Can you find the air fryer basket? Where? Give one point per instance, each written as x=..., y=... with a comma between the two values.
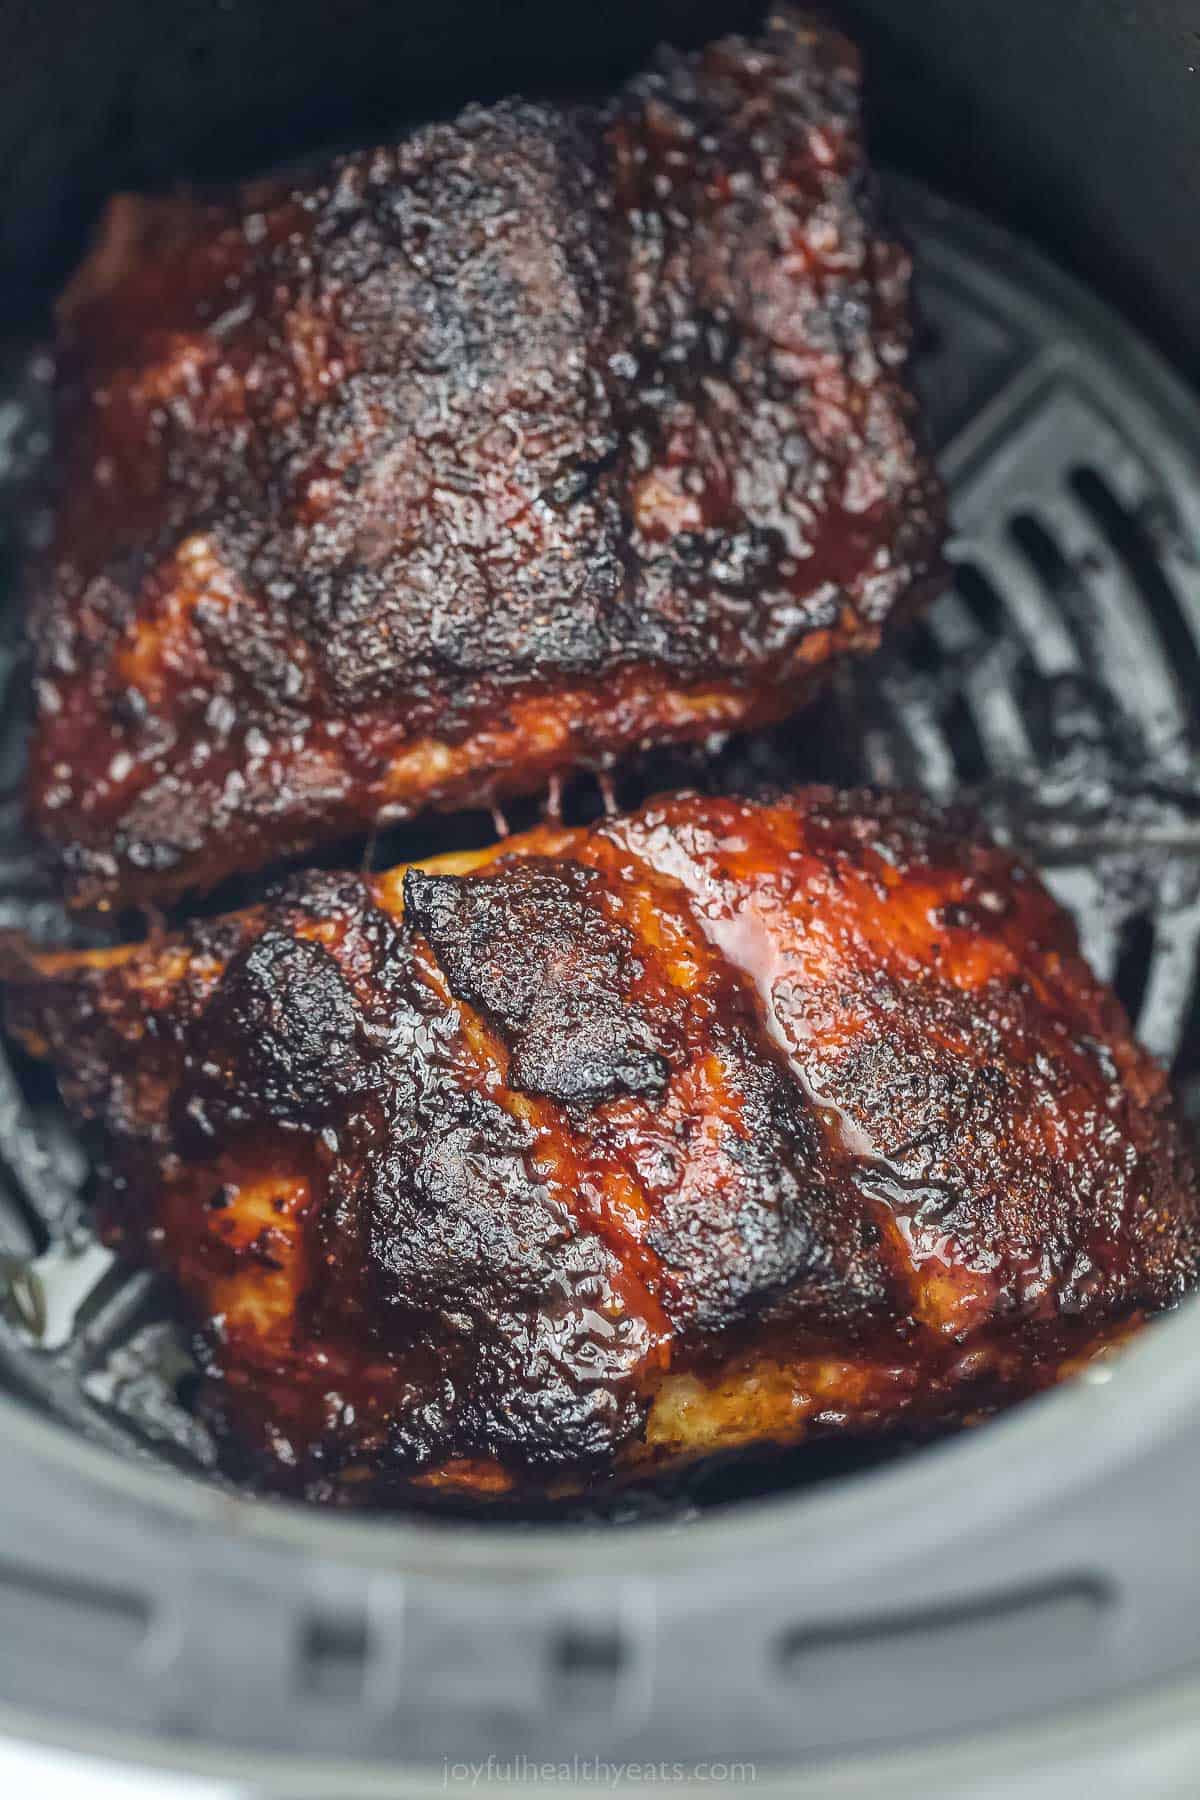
x=1034, y=1564
x=1058, y=684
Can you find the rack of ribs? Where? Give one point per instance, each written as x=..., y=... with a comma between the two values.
x=720, y=1125
x=448, y=467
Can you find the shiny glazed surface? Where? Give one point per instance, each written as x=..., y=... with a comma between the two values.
x=545, y=433
x=721, y=1125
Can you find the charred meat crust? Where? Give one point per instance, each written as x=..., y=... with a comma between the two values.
x=528, y=950
x=716, y=1125
x=542, y=434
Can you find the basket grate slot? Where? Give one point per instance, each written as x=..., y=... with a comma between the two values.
x=971, y=760
x=982, y=599
x=1171, y=999
x=1062, y=580
x=983, y=672
x=1133, y=543
x=925, y=652
x=965, y=353
x=1114, y=633
x=1124, y=633
x=1036, y=621
x=1135, y=956
x=992, y=685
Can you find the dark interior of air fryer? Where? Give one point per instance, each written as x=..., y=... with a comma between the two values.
x=1056, y=686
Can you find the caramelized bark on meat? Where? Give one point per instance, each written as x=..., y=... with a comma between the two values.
x=718, y=1125
x=545, y=433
